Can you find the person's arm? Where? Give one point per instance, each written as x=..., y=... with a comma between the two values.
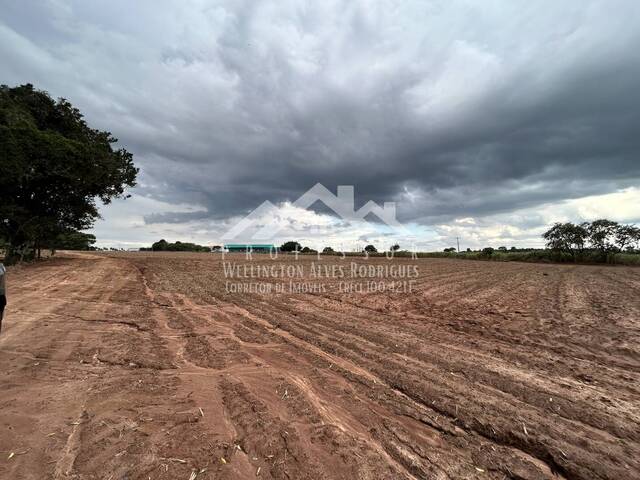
x=3, y=271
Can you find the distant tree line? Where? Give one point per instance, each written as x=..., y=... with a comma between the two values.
x=595, y=240
x=600, y=241
x=293, y=246
x=164, y=246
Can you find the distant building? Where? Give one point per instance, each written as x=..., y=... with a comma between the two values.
x=250, y=247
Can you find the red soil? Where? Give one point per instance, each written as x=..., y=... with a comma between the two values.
x=139, y=366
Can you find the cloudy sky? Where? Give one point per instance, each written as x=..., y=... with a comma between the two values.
x=485, y=120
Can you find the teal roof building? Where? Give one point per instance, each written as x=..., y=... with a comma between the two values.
x=251, y=247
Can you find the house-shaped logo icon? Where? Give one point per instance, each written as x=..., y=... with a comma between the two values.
x=342, y=204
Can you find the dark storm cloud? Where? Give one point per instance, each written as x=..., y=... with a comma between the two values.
x=448, y=108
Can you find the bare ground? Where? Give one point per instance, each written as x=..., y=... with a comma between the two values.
x=141, y=366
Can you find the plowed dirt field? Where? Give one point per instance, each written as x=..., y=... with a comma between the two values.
x=146, y=366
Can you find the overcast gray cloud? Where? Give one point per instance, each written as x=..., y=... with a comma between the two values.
x=452, y=108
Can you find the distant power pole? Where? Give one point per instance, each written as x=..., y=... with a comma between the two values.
x=458, y=242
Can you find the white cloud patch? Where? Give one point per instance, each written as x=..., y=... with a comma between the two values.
x=123, y=226
x=524, y=227
x=520, y=228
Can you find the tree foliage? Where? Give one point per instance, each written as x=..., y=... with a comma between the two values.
x=600, y=236
x=567, y=237
x=73, y=240
x=53, y=168
x=290, y=246
x=626, y=236
x=164, y=246
x=370, y=249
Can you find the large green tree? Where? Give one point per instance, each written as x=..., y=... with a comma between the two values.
x=567, y=237
x=53, y=169
x=602, y=234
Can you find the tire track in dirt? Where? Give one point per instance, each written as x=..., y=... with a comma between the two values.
x=393, y=384
x=327, y=413
x=516, y=295
x=287, y=439
x=178, y=377
x=358, y=342
x=301, y=344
